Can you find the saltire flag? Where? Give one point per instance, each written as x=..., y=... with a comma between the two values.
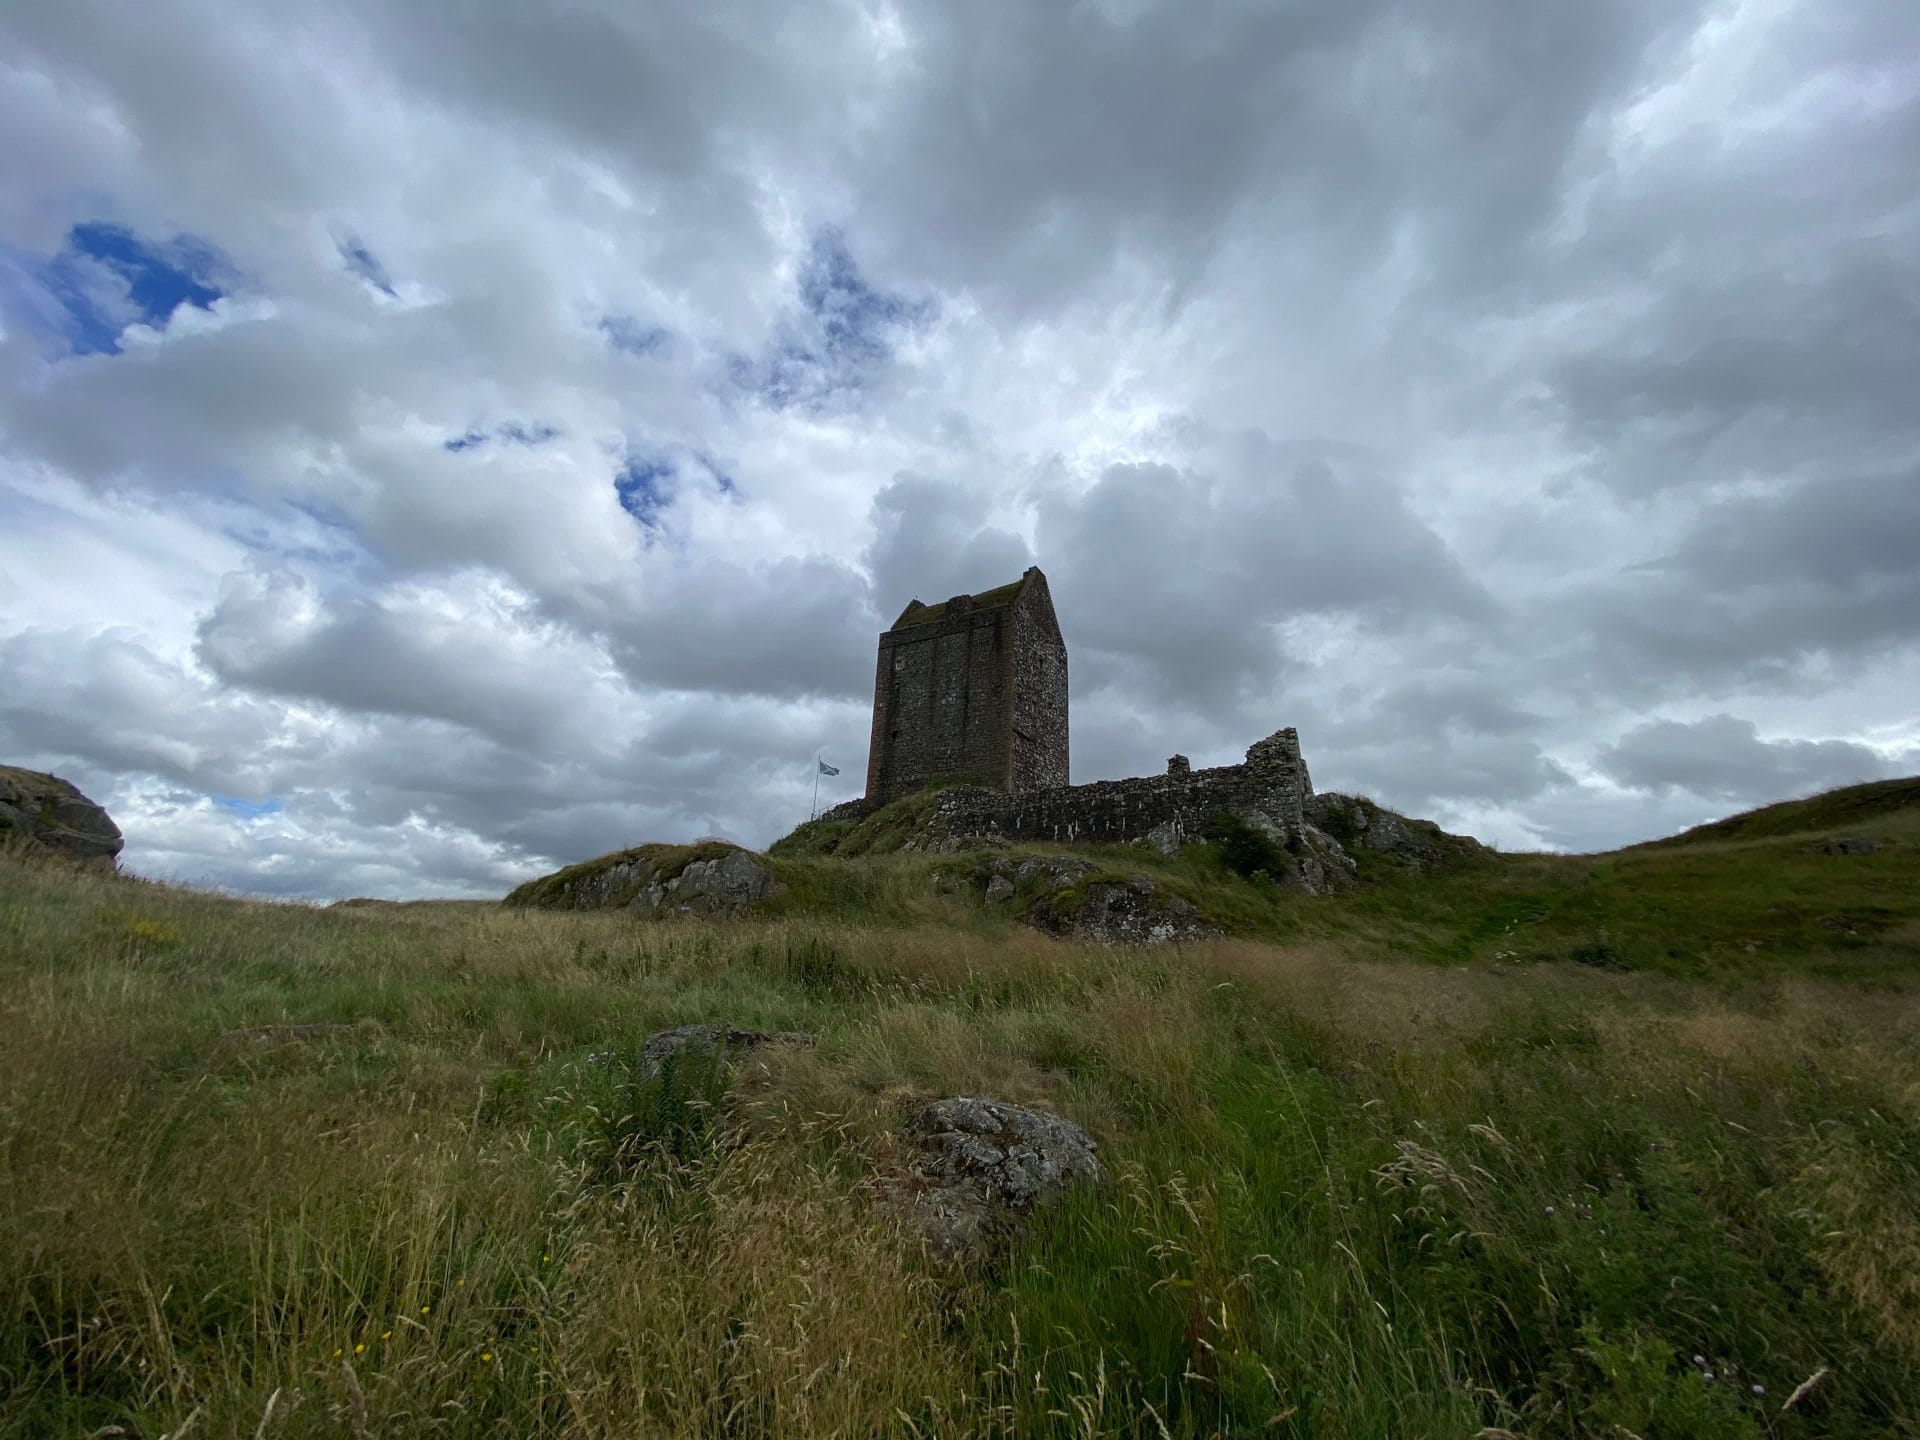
x=826, y=769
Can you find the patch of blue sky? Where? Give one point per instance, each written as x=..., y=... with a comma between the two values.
x=849, y=328
x=105, y=278
x=527, y=434
x=363, y=262
x=633, y=337
x=645, y=486
x=513, y=432
x=248, y=809
x=857, y=321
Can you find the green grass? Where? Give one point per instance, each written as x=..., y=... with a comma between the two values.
x=879, y=833
x=1499, y=1150
x=1832, y=810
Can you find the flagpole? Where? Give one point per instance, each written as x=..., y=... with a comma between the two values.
x=815, y=812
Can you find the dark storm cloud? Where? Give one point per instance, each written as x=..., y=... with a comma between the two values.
x=393, y=656
x=792, y=628
x=1041, y=143
x=1779, y=588
x=1181, y=574
x=933, y=539
x=1723, y=758
x=110, y=701
x=1772, y=373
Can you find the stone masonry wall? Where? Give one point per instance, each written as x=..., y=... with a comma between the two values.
x=978, y=694
x=1270, y=789
x=941, y=703
x=1039, y=723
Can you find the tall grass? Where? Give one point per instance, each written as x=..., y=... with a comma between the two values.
x=1345, y=1196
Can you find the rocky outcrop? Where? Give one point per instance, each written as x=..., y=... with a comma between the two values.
x=1356, y=823
x=984, y=1165
x=712, y=878
x=710, y=887
x=1134, y=911
x=1064, y=895
x=45, y=811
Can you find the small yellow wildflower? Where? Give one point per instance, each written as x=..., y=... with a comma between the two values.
x=425, y=1308
x=336, y=1354
x=386, y=1334
x=486, y=1355
x=360, y=1349
x=546, y=1259
x=461, y=1281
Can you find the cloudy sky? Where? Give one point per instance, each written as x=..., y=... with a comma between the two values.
x=438, y=442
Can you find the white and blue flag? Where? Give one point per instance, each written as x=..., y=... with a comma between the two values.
x=826, y=769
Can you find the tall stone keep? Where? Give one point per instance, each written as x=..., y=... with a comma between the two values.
x=971, y=689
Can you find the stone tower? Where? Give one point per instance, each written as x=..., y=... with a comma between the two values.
x=971, y=689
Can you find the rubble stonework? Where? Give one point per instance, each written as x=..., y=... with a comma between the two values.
x=973, y=689
x=1270, y=790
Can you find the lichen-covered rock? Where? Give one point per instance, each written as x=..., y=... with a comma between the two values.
x=1318, y=865
x=711, y=878
x=709, y=1039
x=984, y=1164
x=711, y=887
x=1356, y=822
x=1135, y=911
x=47, y=811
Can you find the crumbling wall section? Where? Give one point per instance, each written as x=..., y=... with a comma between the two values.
x=1270, y=790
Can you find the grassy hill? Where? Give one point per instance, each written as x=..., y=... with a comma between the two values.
x=1830, y=812
x=1544, y=1146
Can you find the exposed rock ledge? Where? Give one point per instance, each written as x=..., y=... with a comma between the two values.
x=711, y=878
x=45, y=811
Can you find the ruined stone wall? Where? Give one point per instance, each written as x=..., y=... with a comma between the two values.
x=1270, y=788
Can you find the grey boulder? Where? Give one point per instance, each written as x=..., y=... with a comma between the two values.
x=710, y=887
x=1136, y=911
x=47, y=811
x=984, y=1165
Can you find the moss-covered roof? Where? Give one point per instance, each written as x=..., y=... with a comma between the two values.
x=1000, y=596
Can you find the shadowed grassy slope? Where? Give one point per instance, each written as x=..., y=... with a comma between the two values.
x=1753, y=893
x=1348, y=1195
x=1832, y=811
x=1769, y=897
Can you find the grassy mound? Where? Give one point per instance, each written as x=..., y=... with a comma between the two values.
x=880, y=833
